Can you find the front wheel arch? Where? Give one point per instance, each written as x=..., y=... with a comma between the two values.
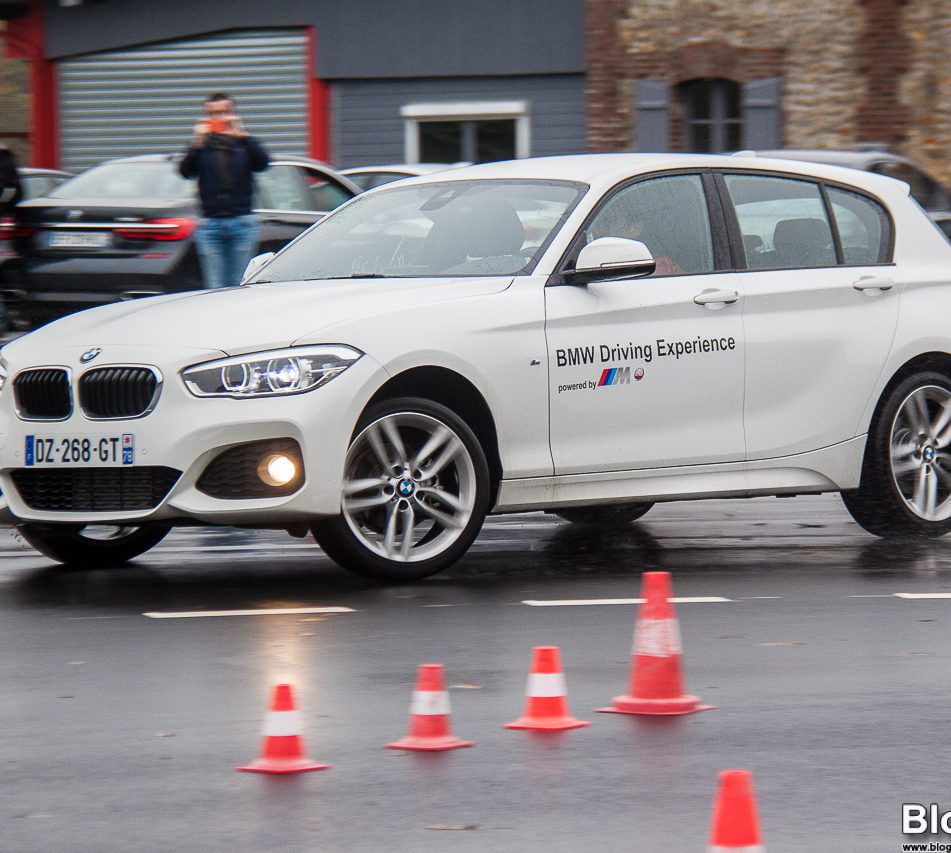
x=431, y=451
x=452, y=390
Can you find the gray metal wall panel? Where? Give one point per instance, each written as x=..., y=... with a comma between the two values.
x=368, y=128
x=147, y=99
x=357, y=39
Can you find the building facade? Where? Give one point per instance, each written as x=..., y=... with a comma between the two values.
x=361, y=82
x=14, y=105
x=707, y=75
x=373, y=81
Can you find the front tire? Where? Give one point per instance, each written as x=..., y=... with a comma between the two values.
x=79, y=546
x=905, y=488
x=416, y=491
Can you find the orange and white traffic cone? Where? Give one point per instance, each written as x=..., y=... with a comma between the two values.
x=429, y=726
x=656, y=681
x=282, y=748
x=735, y=824
x=546, y=702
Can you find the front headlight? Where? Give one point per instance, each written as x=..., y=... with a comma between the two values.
x=268, y=374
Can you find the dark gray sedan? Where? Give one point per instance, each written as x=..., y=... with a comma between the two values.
x=124, y=229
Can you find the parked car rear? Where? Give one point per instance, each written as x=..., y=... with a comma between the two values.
x=125, y=229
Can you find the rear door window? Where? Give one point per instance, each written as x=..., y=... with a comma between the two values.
x=782, y=221
x=283, y=188
x=323, y=193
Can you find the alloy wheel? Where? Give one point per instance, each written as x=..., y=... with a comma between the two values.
x=409, y=488
x=920, y=452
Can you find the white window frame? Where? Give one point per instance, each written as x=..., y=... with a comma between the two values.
x=413, y=114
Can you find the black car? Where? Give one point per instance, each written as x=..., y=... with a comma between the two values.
x=925, y=189
x=124, y=229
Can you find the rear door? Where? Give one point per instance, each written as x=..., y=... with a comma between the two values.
x=648, y=372
x=820, y=308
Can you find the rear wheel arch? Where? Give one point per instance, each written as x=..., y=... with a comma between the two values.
x=455, y=392
x=939, y=362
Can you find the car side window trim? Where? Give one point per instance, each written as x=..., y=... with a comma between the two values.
x=886, y=252
x=719, y=232
x=731, y=223
x=718, y=236
x=834, y=225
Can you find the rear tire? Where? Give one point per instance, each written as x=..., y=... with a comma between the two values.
x=416, y=491
x=905, y=489
x=86, y=546
x=598, y=515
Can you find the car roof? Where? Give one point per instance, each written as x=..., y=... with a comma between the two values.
x=402, y=168
x=177, y=155
x=604, y=170
x=294, y=159
x=32, y=170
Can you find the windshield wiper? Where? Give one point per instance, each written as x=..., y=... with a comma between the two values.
x=344, y=277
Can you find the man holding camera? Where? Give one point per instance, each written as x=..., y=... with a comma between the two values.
x=224, y=157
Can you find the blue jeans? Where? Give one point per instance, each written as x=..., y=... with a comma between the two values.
x=225, y=244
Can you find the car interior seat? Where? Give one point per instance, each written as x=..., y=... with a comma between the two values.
x=803, y=243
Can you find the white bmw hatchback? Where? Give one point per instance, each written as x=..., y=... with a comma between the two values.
x=585, y=335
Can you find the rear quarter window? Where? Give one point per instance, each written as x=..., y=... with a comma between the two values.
x=864, y=228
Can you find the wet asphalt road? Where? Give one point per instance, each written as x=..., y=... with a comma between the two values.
x=120, y=732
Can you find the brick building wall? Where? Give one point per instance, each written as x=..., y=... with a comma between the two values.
x=14, y=104
x=926, y=86
x=850, y=71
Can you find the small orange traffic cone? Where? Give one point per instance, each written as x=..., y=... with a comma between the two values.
x=656, y=682
x=546, y=702
x=429, y=727
x=282, y=748
x=735, y=825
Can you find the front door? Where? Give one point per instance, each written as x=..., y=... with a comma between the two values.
x=648, y=373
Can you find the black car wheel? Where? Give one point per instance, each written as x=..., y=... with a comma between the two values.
x=91, y=546
x=415, y=493
x=905, y=488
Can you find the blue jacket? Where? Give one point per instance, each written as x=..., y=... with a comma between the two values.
x=249, y=156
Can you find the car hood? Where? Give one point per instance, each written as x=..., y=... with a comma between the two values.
x=247, y=319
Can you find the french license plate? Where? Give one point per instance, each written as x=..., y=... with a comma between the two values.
x=79, y=239
x=109, y=451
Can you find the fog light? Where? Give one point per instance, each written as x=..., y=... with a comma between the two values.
x=277, y=470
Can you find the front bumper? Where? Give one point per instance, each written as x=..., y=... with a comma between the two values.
x=186, y=433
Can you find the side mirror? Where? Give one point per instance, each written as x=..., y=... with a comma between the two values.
x=254, y=265
x=614, y=257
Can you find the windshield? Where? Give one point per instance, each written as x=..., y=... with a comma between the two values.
x=158, y=180
x=451, y=228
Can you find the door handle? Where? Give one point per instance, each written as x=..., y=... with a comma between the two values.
x=873, y=282
x=716, y=297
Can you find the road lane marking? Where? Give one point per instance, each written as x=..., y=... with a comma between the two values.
x=277, y=611
x=259, y=546
x=922, y=595
x=582, y=602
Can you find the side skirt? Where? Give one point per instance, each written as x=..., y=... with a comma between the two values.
x=829, y=469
